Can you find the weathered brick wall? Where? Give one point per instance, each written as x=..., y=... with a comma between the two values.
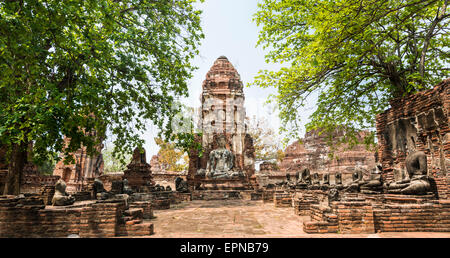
x=282, y=199
x=29, y=183
x=28, y=217
x=162, y=176
x=356, y=217
x=303, y=202
x=33, y=183
x=182, y=197
x=161, y=204
x=147, y=208
x=82, y=196
x=313, y=152
x=432, y=217
x=100, y=220
x=420, y=122
x=273, y=177
x=322, y=220
x=34, y=221
x=108, y=178
x=47, y=193
x=216, y=195
x=167, y=178
x=256, y=196
x=267, y=195
x=159, y=200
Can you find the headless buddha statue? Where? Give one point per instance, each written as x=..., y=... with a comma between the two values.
x=375, y=183
x=417, y=181
x=303, y=178
x=61, y=198
x=326, y=182
x=338, y=181
x=315, y=182
x=357, y=181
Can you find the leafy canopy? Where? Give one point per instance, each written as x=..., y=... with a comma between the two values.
x=113, y=164
x=355, y=55
x=268, y=146
x=80, y=68
x=170, y=157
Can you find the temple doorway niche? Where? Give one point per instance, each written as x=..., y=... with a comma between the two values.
x=67, y=174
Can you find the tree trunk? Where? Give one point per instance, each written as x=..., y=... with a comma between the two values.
x=15, y=169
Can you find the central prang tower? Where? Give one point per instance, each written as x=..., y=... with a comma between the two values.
x=228, y=154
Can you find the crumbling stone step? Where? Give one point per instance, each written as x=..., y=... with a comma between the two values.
x=136, y=213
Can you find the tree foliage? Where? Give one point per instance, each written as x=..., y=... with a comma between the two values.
x=80, y=68
x=356, y=55
x=170, y=157
x=266, y=141
x=185, y=131
x=112, y=163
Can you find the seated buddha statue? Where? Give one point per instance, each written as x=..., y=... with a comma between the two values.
x=315, y=182
x=375, y=183
x=338, y=181
x=221, y=162
x=99, y=191
x=289, y=183
x=357, y=181
x=303, y=179
x=325, y=185
x=417, y=181
x=181, y=185
x=61, y=198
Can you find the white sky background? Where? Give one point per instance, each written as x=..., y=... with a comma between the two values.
x=230, y=31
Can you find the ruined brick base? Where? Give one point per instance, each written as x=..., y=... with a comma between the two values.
x=182, y=197
x=283, y=199
x=302, y=204
x=29, y=217
x=216, y=195
x=267, y=195
x=387, y=213
x=159, y=200
x=222, y=184
x=251, y=195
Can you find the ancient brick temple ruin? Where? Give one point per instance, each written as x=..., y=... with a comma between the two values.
x=418, y=123
x=84, y=170
x=138, y=172
x=104, y=206
x=223, y=133
x=409, y=192
x=404, y=187
x=314, y=152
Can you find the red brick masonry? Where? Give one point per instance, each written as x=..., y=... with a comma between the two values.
x=423, y=117
x=364, y=216
x=28, y=217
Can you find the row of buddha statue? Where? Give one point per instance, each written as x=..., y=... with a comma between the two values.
x=416, y=181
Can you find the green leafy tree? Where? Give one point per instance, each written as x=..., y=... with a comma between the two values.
x=266, y=141
x=81, y=68
x=112, y=163
x=47, y=166
x=170, y=157
x=354, y=55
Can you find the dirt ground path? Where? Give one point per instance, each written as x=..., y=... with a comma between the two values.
x=247, y=219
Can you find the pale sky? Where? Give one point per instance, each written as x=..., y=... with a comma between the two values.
x=229, y=31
